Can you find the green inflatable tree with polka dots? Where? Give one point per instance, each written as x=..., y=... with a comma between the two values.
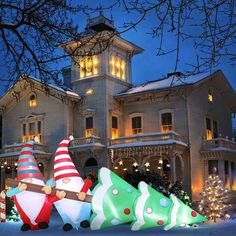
x=152, y=208
x=112, y=201
x=116, y=202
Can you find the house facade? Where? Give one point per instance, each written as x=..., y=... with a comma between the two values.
x=178, y=126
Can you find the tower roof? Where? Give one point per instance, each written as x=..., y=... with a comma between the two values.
x=100, y=23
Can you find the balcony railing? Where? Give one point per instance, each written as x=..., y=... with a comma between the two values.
x=16, y=147
x=218, y=143
x=85, y=140
x=147, y=137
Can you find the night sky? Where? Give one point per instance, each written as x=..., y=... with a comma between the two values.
x=147, y=66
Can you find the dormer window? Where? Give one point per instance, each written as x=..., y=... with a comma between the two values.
x=210, y=96
x=32, y=101
x=88, y=66
x=118, y=67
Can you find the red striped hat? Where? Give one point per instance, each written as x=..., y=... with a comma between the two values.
x=63, y=165
x=27, y=166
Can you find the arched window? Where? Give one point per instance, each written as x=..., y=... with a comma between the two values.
x=91, y=162
x=32, y=101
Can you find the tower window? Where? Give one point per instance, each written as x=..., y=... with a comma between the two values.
x=137, y=125
x=89, y=126
x=88, y=66
x=32, y=101
x=118, y=67
x=210, y=96
x=166, y=122
x=114, y=128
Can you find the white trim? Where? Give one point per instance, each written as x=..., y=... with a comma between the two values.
x=98, y=198
x=143, y=187
x=62, y=149
x=173, y=213
x=65, y=163
x=65, y=171
x=61, y=156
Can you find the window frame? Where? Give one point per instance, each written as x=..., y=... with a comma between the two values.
x=25, y=122
x=89, y=131
x=84, y=61
x=32, y=104
x=211, y=133
x=111, y=65
x=131, y=116
x=161, y=112
x=114, y=131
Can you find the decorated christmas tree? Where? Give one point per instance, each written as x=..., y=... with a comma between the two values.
x=154, y=209
x=214, y=203
x=112, y=201
x=116, y=202
x=14, y=215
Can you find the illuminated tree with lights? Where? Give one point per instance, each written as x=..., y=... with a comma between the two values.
x=214, y=203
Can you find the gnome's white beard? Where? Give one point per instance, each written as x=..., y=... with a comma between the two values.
x=68, y=207
x=31, y=202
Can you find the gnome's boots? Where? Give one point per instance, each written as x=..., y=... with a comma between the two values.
x=67, y=227
x=84, y=224
x=25, y=227
x=43, y=225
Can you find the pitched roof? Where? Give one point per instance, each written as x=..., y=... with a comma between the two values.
x=166, y=83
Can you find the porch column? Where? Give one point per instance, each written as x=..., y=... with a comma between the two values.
x=221, y=170
x=171, y=158
x=3, y=177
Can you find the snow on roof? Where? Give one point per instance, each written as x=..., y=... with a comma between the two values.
x=148, y=143
x=169, y=82
x=64, y=90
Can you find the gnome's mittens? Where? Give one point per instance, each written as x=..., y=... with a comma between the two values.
x=22, y=186
x=81, y=196
x=47, y=189
x=61, y=194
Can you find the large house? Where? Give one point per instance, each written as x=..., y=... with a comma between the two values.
x=179, y=126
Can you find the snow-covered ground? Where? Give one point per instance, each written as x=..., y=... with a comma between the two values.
x=223, y=228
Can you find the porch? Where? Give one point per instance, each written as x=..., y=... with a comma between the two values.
x=164, y=153
x=219, y=156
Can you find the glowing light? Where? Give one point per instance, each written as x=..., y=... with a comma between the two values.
x=120, y=162
x=147, y=164
x=116, y=167
x=135, y=164
x=89, y=91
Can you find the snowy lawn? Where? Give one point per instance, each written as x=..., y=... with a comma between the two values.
x=223, y=228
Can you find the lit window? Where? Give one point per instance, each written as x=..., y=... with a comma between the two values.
x=212, y=167
x=30, y=131
x=117, y=67
x=114, y=128
x=209, y=134
x=32, y=101
x=137, y=125
x=166, y=122
x=89, y=91
x=89, y=126
x=211, y=129
x=210, y=96
x=88, y=66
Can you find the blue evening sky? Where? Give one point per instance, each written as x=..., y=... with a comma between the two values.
x=147, y=66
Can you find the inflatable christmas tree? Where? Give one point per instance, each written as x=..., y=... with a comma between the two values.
x=112, y=201
x=116, y=202
x=154, y=209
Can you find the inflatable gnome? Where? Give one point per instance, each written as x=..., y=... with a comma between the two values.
x=34, y=208
x=75, y=214
x=152, y=209
x=116, y=202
